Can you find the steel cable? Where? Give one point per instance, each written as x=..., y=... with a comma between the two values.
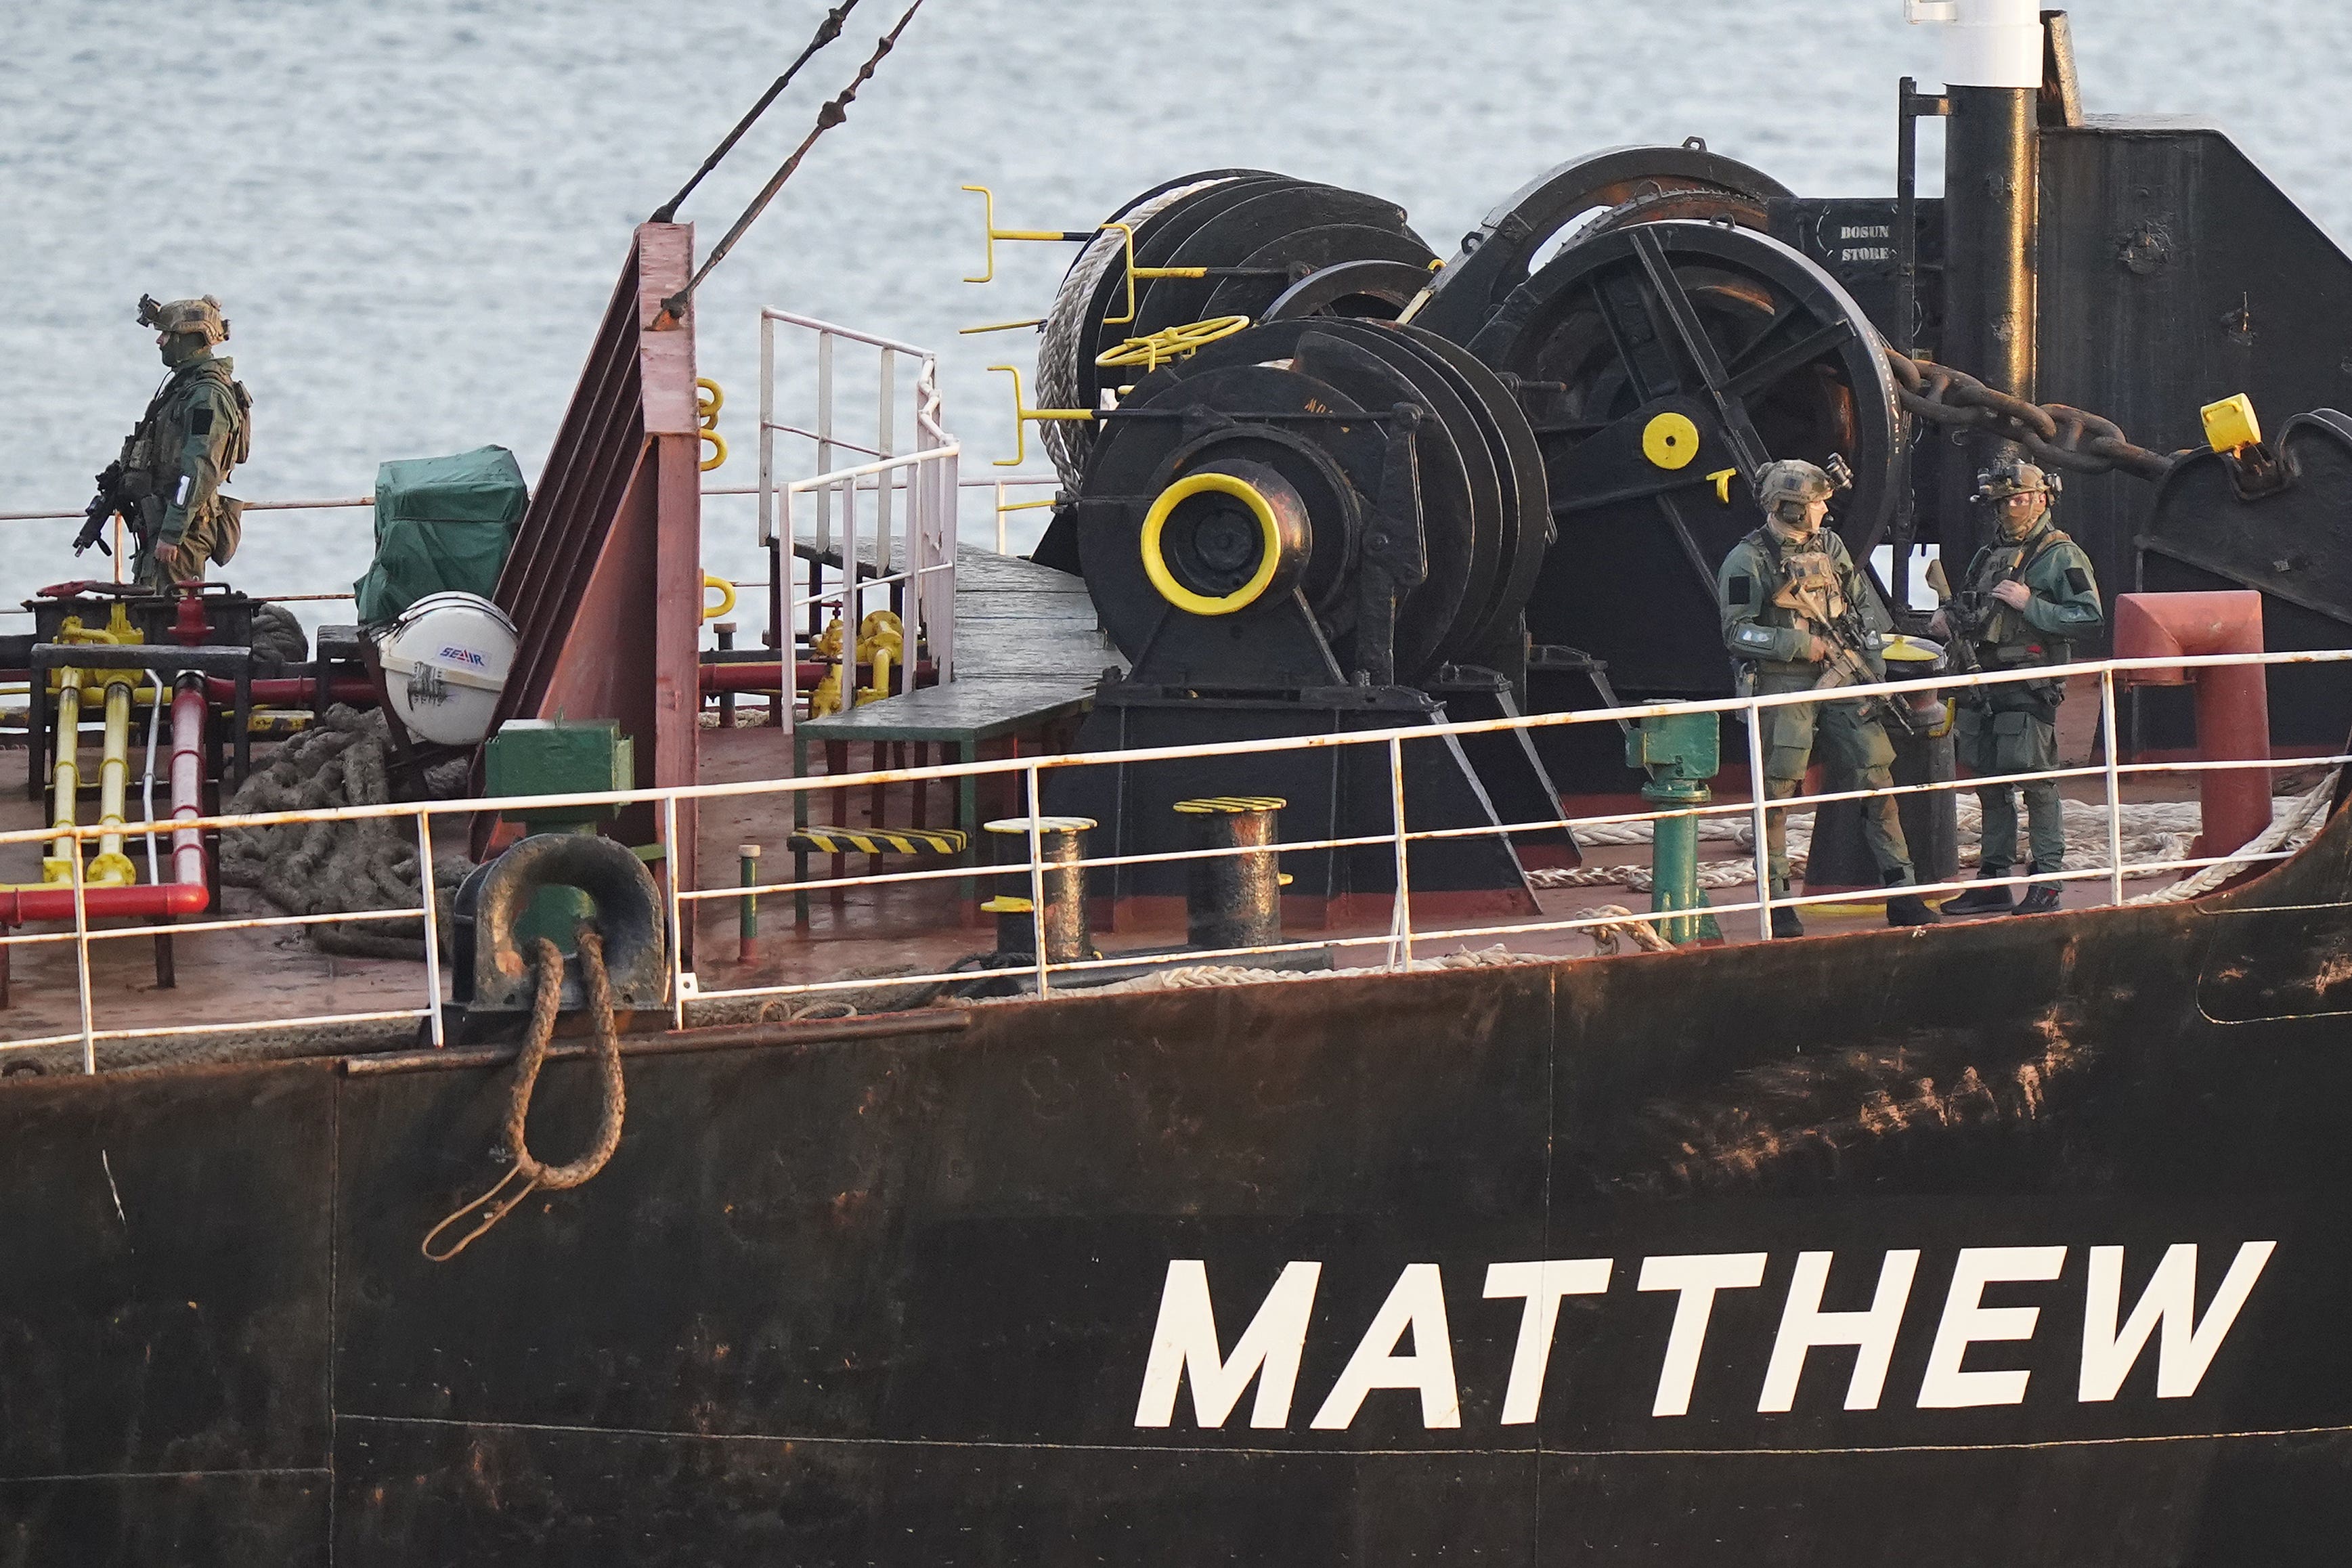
x=826, y=32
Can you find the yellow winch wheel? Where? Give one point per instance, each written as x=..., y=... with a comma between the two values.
x=1670, y=441
x=1155, y=563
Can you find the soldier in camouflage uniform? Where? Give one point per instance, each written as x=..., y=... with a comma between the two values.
x=196, y=429
x=2028, y=598
x=1779, y=591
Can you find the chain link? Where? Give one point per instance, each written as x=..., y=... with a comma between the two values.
x=2057, y=436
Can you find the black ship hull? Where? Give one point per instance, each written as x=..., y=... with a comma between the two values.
x=1492, y=1264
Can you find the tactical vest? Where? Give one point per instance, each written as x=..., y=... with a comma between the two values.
x=150, y=453
x=1799, y=587
x=2010, y=637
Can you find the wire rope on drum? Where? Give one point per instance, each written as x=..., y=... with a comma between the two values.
x=1068, y=440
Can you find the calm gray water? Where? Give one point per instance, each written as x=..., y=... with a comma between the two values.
x=414, y=209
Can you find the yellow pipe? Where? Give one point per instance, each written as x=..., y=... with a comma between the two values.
x=64, y=779
x=111, y=868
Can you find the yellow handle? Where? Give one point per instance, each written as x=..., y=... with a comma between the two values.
x=1721, y=480
x=707, y=407
x=717, y=449
x=993, y=234
x=726, y=605
x=1023, y=416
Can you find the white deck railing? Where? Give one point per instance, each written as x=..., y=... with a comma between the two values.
x=1396, y=944
x=911, y=524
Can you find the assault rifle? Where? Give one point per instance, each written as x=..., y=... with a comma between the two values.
x=102, y=510
x=1847, y=635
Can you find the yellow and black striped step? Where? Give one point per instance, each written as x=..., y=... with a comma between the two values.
x=880, y=840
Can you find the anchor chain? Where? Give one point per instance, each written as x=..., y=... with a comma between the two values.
x=2057, y=436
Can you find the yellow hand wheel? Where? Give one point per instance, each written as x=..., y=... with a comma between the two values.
x=1170, y=343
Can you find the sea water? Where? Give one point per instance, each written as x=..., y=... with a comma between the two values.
x=413, y=212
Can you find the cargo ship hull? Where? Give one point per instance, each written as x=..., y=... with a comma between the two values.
x=1858, y=1251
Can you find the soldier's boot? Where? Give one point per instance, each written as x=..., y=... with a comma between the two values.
x=1785, y=923
x=2040, y=898
x=1909, y=909
x=1994, y=900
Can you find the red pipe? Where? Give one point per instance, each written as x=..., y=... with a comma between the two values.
x=2233, y=704
x=19, y=905
x=769, y=677
x=186, y=893
x=294, y=690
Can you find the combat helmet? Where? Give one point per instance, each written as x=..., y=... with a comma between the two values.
x=198, y=315
x=1794, y=483
x=2013, y=477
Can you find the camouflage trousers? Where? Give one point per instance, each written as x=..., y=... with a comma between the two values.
x=195, y=554
x=1859, y=755
x=1990, y=743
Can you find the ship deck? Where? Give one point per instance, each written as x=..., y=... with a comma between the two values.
x=229, y=977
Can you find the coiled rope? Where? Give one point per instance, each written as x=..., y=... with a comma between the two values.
x=1058, y=347
x=496, y=1204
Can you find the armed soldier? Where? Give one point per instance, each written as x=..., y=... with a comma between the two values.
x=1798, y=616
x=197, y=427
x=2028, y=598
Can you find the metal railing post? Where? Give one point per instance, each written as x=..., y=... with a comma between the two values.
x=823, y=438
x=886, y=444
x=1038, y=880
x=1400, y=948
x=432, y=925
x=1000, y=517
x=677, y=915
x=1755, y=819
x=81, y=960
x=2115, y=788
x=768, y=438
x=853, y=595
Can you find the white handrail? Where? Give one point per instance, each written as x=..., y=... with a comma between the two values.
x=1397, y=940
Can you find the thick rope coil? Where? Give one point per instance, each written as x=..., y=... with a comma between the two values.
x=338, y=868
x=533, y=1172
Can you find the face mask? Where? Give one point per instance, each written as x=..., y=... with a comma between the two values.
x=179, y=348
x=2016, y=525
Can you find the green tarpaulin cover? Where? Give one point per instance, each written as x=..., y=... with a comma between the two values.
x=441, y=525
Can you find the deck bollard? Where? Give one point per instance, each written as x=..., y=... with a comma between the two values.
x=1061, y=844
x=1235, y=900
x=1679, y=751
x=747, y=940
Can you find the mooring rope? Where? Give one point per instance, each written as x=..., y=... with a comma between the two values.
x=338, y=867
x=496, y=1204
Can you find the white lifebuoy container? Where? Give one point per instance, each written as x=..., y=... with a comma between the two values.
x=446, y=661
